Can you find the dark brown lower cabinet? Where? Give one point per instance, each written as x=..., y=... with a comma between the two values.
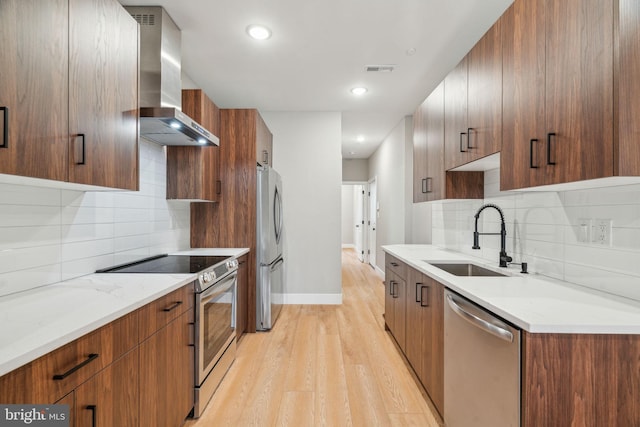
x=394, y=307
x=425, y=333
x=110, y=398
x=69, y=400
x=166, y=374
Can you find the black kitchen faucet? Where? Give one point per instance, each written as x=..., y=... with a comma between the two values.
x=504, y=258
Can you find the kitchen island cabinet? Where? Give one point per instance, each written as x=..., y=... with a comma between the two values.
x=69, y=92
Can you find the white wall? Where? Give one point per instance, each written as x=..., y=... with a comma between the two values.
x=348, y=220
x=355, y=170
x=307, y=153
x=542, y=230
x=388, y=164
x=48, y=235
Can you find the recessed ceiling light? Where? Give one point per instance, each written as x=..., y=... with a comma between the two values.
x=359, y=90
x=258, y=32
x=360, y=138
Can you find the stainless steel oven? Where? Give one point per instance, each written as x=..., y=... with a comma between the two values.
x=215, y=323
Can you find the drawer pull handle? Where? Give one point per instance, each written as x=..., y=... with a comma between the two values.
x=395, y=264
x=5, y=133
x=91, y=358
x=424, y=302
x=174, y=306
x=93, y=409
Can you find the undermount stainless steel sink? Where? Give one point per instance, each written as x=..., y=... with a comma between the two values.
x=466, y=269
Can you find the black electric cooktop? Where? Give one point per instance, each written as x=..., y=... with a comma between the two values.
x=176, y=264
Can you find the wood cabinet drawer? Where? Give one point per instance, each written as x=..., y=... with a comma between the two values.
x=55, y=374
x=394, y=264
x=160, y=312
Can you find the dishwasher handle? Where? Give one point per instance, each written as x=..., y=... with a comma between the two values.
x=494, y=330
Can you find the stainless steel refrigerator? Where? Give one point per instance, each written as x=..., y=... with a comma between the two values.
x=270, y=260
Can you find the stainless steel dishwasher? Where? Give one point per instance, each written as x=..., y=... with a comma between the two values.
x=481, y=367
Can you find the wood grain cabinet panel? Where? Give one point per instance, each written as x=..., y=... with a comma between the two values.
x=264, y=143
x=69, y=92
x=167, y=374
x=571, y=96
x=231, y=223
x=455, y=115
x=160, y=312
x=110, y=398
x=431, y=182
x=34, y=88
x=242, y=292
x=580, y=380
x=103, y=94
x=194, y=172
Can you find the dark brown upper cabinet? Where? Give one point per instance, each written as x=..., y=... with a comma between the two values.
x=473, y=102
x=194, y=172
x=571, y=110
x=69, y=92
x=431, y=182
x=264, y=143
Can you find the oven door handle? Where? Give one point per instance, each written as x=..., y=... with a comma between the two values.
x=219, y=288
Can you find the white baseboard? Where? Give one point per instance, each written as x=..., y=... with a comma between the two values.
x=348, y=245
x=320, y=299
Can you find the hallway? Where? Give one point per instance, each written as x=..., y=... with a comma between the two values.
x=323, y=365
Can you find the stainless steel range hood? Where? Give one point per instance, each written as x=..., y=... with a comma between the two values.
x=161, y=118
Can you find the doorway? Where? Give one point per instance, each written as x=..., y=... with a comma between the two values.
x=372, y=222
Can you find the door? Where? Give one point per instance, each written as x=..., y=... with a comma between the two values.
x=34, y=78
x=372, y=221
x=358, y=217
x=455, y=114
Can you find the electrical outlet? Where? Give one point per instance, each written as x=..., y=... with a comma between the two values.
x=602, y=232
x=584, y=230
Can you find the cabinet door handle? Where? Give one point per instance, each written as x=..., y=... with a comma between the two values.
x=81, y=135
x=265, y=157
x=93, y=410
x=424, y=185
x=531, y=144
x=462, y=150
x=218, y=187
x=549, y=136
x=89, y=359
x=395, y=294
x=391, y=282
x=173, y=306
x=429, y=184
x=469, y=131
x=424, y=302
x=5, y=127
x=418, y=293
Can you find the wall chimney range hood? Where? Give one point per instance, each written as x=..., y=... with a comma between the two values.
x=161, y=118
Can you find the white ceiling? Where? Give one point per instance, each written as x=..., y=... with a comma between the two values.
x=319, y=51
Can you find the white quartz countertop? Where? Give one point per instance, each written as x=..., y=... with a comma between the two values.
x=37, y=321
x=534, y=303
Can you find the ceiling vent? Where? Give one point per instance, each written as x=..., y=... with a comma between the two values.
x=380, y=68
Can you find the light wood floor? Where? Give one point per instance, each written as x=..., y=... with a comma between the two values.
x=323, y=366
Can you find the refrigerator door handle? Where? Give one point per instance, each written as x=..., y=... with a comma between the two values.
x=277, y=215
x=275, y=265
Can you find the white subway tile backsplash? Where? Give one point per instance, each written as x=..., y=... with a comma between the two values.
x=542, y=230
x=48, y=235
